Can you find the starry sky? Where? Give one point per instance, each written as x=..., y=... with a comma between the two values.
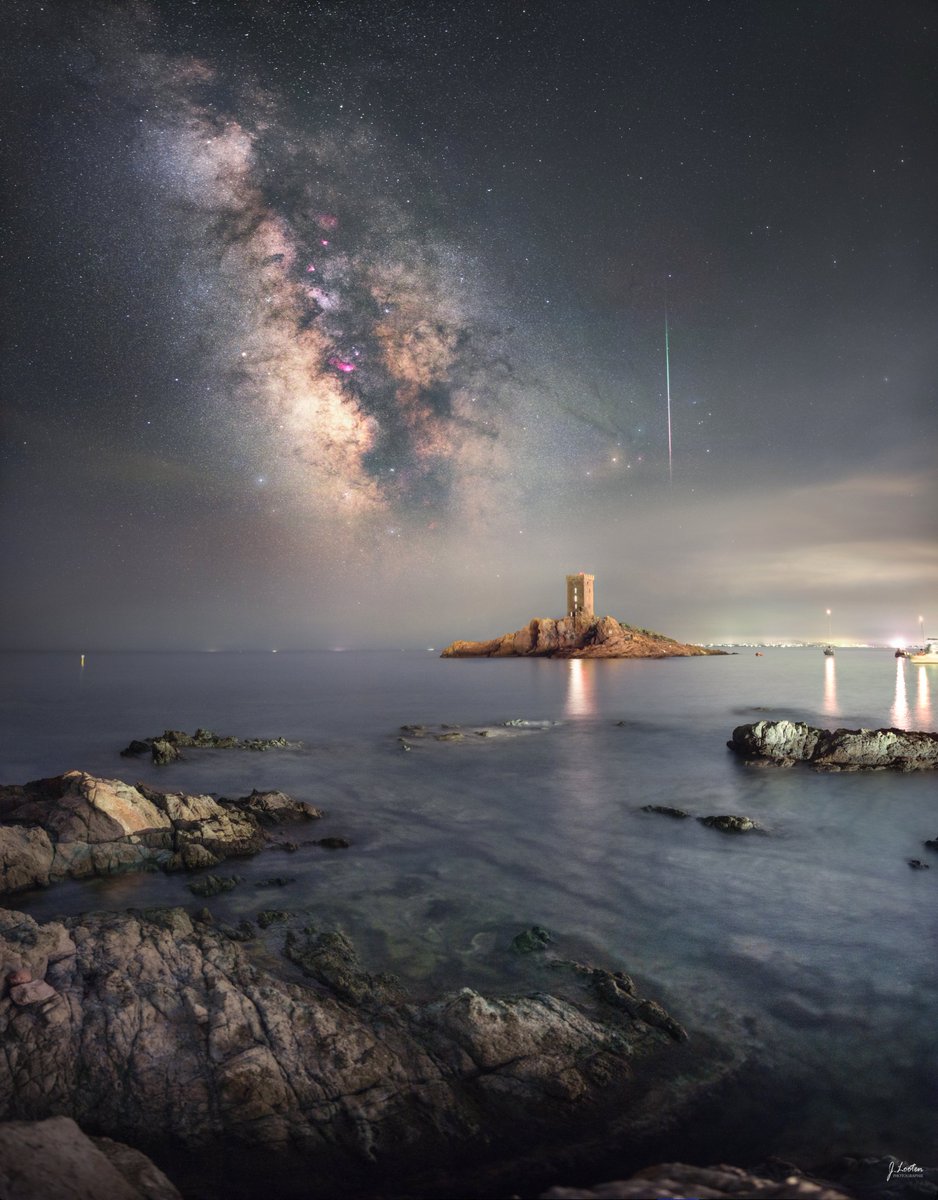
x=342, y=324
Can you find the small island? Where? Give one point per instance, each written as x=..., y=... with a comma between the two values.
x=580, y=634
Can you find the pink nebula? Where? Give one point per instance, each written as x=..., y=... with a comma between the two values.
x=310, y=267
x=340, y=364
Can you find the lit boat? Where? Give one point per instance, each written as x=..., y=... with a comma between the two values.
x=828, y=651
x=928, y=656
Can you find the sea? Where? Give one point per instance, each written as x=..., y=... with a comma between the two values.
x=812, y=942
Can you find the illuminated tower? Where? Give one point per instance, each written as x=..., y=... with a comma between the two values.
x=580, y=595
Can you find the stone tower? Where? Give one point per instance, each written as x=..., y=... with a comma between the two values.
x=580, y=595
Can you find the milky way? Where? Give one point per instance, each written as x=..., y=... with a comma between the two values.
x=348, y=340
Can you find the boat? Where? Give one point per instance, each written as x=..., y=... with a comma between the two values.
x=900, y=653
x=928, y=656
x=828, y=651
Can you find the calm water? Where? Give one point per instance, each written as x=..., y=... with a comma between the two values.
x=817, y=941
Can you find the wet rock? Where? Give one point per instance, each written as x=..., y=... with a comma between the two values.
x=782, y=743
x=54, y=1160
x=136, y=749
x=331, y=959
x=452, y=736
x=931, y=844
x=275, y=808
x=214, y=885
x=242, y=932
x=332, y=843
x=276, y=881
x=918, y=865
x=165, y=747
x=722, y=1182
x=531, y=940
x=271, y=915
x=164, y=751
x=729, y=823
x=76, y=825
x=18, y=976
x=664, y=810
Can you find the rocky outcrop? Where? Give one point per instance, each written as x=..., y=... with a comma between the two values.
x=720, y=1183
x=576, y=637
x=54, y=1160
x=161, y=1024
x=165, y=747
x=783, y=743
x=729, y=823
x=75, y=825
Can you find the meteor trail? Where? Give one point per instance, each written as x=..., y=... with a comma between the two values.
x=667, y=375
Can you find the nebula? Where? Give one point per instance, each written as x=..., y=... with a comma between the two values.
x=358, y=375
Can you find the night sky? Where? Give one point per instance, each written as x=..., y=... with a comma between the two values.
x=342, y=324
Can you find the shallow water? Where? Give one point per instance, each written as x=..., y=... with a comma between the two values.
x=816, y=938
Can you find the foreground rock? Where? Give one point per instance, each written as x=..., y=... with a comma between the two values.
x=577, y=637
x=54, y=1160
x=783, y=743
x=718, y=1183
x=165, y=747
x=75, y=825
x=159, y=1026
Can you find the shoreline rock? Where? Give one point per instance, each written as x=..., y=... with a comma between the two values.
x=55, y=1160
x=162, y=1027
x=783, y=743
x=75, y=825
x=577, y=637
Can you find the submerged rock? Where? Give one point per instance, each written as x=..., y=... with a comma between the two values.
x=578, y=636
x=783, y=743
x=214, y=885
x=729, y=823
x=665, y=811
x=531, y=940
x=76, y=825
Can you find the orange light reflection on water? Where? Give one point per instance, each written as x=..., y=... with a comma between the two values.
x=900, y=703
x=581, y=682
x=830, y=687
x=923, y=711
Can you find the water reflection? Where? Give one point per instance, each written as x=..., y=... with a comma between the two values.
x=900, y=703
x=923, y=711
x=830, y=687
x=581, y=685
